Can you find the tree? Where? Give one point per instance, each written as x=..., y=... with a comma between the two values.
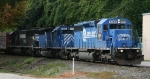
x=11, y=17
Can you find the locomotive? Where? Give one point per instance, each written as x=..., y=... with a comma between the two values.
x=61, y=38
x=105, y=40
x=29, y=42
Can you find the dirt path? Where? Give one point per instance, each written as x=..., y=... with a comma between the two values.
x=15, y=76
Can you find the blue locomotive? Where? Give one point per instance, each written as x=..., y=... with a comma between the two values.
x=107, y=39
x=59, y=39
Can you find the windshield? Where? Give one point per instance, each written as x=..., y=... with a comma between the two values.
x=117, y=26
x=129, y=26
x=113, y=26
x=121, y=26
x=67, y=31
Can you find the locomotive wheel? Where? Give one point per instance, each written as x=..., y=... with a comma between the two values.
x=29, y=52
x=23, y=52
x=115, y=63
x=36, y=53
x=68, y=55
x=105, y=60
x=110, y=61
x=33, y=54
x=6, y=52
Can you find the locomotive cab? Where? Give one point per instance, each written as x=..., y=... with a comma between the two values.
x=63, y=36
x=117, y=33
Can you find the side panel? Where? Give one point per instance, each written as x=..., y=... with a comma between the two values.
x=42, y=41
x=3, y=39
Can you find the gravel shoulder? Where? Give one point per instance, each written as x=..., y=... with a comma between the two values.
x=15, y=76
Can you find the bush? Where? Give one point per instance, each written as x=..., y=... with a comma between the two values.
x=28, y=61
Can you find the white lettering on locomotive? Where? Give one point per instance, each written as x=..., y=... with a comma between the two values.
x=89, y=34
x=123, y=37
x=22, y=35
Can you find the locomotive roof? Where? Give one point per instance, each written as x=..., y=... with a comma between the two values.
x=102, y=21
x=56, y=28
x=108, y=19
x=47, y=28
x=89, y=23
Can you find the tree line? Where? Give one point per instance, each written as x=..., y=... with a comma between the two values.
x=24, y=14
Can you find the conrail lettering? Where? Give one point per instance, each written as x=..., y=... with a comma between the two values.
x=123, y=37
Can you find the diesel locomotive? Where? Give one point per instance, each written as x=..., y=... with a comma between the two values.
x=105, y=40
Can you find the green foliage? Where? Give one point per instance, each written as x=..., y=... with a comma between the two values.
x=12, y=13
x=50, y=69
x=28, y=61
x=12, y=62
x=47, y=13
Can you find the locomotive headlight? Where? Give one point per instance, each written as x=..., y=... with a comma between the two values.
x=118, y=21
x=137, y=50
x=121, y=50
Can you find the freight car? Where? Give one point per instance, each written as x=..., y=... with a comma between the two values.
x=4, y=40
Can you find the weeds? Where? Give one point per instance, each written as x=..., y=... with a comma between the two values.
x=11, y=62
x=50, y=69
x=28, y=61
x=24, y=66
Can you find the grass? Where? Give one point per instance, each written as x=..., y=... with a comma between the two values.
x=101, y=75
x=11, y=62
x=32, y=67
x=29, y=60
x=50, y=69
x=4, y=71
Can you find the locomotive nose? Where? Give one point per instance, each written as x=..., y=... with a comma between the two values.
x=123, y=38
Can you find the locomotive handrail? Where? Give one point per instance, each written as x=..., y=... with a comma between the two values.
x=107, y=36
x=138, y=37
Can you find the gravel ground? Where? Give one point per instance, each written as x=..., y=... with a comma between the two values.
x=126, y=72
x=121, y=72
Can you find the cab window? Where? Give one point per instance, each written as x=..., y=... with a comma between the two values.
x=129, y=26
x=105, y=27
x=113, y=26
x=67, y=31
x=121, y=26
